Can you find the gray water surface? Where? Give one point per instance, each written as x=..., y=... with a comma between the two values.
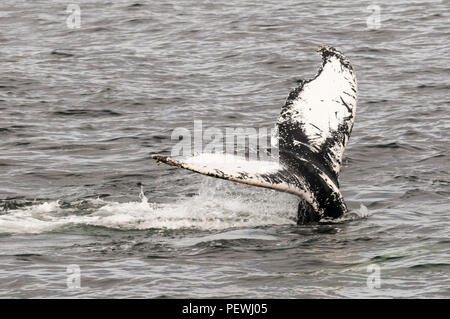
x=82, y=109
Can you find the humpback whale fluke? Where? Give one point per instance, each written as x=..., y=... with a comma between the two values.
x=313, y=129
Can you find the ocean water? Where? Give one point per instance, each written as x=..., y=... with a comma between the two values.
x=84, y=105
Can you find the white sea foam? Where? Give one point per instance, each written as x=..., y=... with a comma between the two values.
x=361, y=212
x=214, y=208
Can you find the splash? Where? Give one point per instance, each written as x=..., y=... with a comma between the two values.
x=216, y=207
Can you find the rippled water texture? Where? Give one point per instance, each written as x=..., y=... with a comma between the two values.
x=82, y=109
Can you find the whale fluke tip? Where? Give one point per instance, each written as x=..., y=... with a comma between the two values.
x=326, y=50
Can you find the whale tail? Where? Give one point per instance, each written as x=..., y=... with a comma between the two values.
x=313, y=130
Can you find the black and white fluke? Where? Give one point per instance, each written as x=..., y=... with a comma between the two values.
x=313, y=129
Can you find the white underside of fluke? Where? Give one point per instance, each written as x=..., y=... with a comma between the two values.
x=238, y=169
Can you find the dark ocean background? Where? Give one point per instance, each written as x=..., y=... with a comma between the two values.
x=82, y=109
